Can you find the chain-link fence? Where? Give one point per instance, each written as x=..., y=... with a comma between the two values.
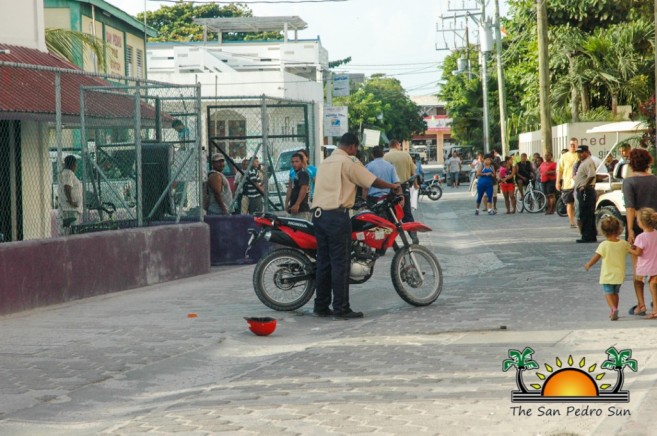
x=82, y=152
x=272, y=130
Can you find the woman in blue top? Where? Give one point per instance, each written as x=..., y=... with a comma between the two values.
x=310, y=169
x=485, y=179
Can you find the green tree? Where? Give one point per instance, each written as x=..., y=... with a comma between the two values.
x=522, y=361
x=70, y=45
x=617, y=361
x=382, y=102
x=176, y=23
x=619, y=60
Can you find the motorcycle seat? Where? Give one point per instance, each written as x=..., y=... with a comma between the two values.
x=298, y=224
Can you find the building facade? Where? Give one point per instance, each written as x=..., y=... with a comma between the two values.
x=123, y=35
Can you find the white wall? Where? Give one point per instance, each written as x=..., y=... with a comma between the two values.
x=36, y=181
x=599, y=143
x=22, y=23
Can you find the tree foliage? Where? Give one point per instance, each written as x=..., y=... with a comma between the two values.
x=176, y=23
x=70, y=46
x=601, y=56
x=382, y=102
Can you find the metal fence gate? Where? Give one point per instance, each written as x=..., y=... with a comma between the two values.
x=135, y=144
x=271, y=129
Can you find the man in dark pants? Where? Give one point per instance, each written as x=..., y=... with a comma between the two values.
x=405, y=168
x=335, y=192
x=584, y=185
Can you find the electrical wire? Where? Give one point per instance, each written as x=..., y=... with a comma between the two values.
x=251, y=2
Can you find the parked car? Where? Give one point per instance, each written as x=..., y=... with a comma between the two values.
x=421, y=150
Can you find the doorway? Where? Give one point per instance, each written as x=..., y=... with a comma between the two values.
x=11, y=211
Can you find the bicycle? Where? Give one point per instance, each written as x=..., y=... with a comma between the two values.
x=534, y=201
x=473, y=187
x=560, y=207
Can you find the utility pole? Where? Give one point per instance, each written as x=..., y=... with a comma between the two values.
x=501, y=88
x=544, y=76
x=483, y=36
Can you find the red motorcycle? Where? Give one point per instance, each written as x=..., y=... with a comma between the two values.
x=284, y=279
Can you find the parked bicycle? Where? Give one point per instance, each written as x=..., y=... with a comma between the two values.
x=534, y=200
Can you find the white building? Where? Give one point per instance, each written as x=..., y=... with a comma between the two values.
x=600, y=143
x=289, y=69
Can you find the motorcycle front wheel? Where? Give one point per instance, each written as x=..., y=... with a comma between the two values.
x=271, y=279
x=435, y=192
x=416, y=275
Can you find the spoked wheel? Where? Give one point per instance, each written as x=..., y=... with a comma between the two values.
x=561, y=207
x=284, y=279
x=435, y=192
x=534, y=201
x=416, y=275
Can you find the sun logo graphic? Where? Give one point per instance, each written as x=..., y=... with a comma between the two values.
x=574, y=383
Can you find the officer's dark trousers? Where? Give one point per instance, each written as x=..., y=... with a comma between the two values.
x=333, y=232
x=586, y=201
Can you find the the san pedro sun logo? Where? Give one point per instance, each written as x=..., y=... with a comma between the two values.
x=571, y=383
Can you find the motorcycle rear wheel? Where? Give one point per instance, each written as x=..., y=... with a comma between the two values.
x=412, y=288
x=276, y=266
x=435, y=192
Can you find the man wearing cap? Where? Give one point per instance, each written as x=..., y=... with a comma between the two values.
x=584, y=186
x=335, y=192
x=218, y=188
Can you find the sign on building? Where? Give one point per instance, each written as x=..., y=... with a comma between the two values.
x=341, y=85
x=336, y=120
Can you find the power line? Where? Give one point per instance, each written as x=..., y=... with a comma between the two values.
x=252, y=2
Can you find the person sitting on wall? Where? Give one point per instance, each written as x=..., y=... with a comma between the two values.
x=220, y=195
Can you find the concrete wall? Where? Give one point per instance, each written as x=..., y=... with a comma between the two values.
x=40, y=273
x=22, y=23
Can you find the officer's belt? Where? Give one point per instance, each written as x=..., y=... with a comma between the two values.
x=318, y=211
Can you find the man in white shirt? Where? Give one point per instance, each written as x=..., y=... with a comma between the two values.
x=70, y=195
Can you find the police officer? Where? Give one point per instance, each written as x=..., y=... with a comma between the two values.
x=584, y=185
x=335, y=192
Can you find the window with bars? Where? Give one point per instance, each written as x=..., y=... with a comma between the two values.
x=128, y=61
x=140, y=63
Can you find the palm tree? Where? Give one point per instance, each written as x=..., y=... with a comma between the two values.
x=521, y=361
x=70, y=44
x=617, y=361
x=567, y=43
x=618, y=62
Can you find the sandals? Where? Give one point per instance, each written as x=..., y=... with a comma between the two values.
x=638, y=310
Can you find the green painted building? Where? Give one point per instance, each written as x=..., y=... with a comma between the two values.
x=124, y=36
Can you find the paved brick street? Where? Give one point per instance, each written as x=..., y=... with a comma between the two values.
x=133, y=362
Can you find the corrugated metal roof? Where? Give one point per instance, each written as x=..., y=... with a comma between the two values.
x=32, y=91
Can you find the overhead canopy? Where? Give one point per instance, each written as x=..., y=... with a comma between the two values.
x=620, y=127
x=252, y=24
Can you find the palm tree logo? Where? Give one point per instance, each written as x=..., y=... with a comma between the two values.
x=522, y=361
x=572, y=383
x=617, y=361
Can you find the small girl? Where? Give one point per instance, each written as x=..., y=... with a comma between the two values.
x=485, y=178
x=645, y=248
x=507, y=174
x=613, y=253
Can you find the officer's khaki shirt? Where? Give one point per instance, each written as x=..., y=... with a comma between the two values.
x=585, y=172
x=337, y=177
x=403, y=163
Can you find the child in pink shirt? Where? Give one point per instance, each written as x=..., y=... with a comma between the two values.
x=645, y=248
